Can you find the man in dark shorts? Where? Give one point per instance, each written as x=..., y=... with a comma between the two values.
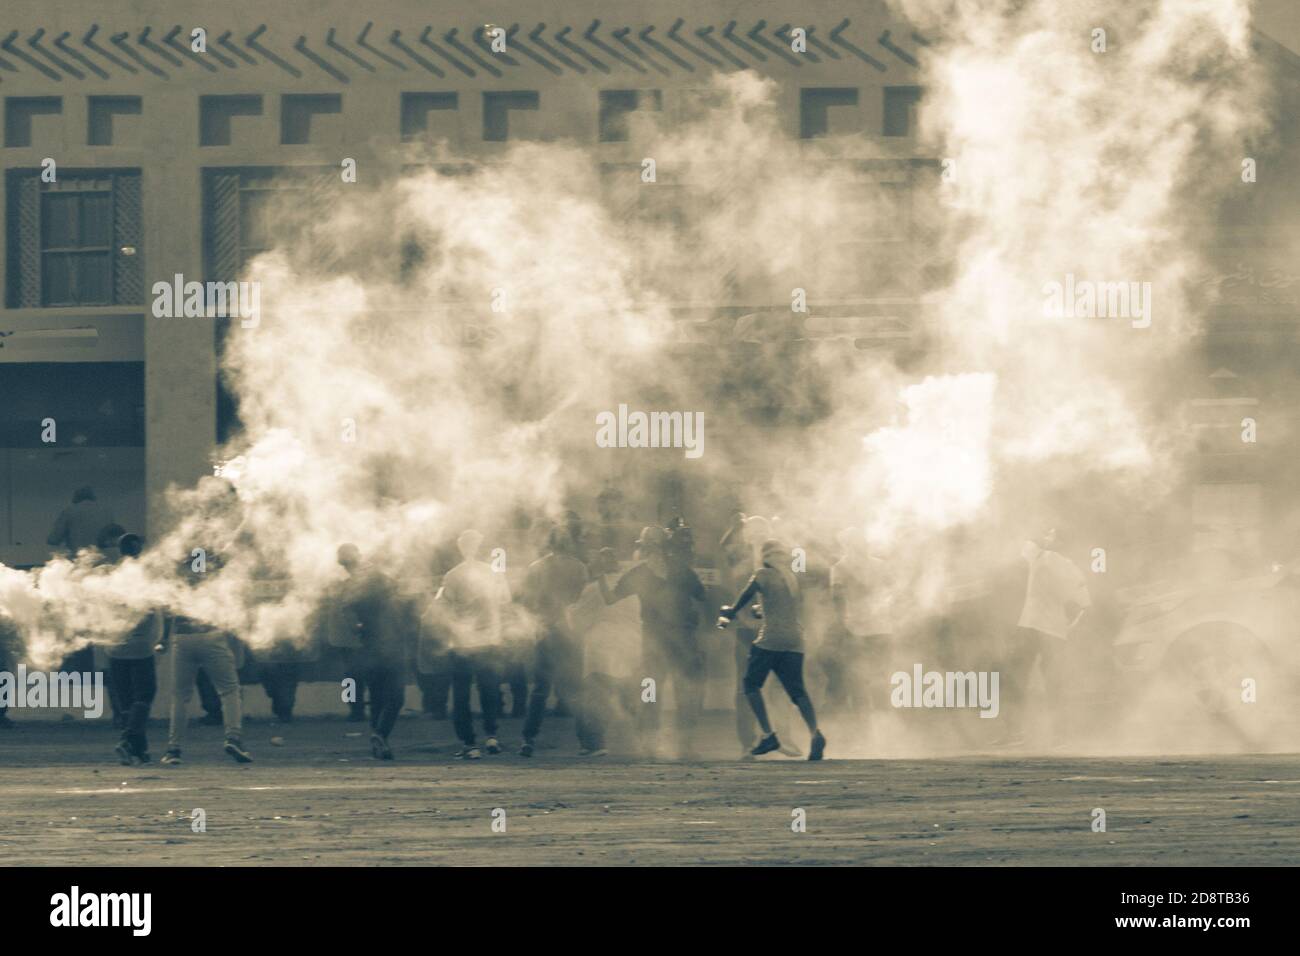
x=779, y=647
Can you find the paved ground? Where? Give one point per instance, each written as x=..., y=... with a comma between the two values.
x=318, y=798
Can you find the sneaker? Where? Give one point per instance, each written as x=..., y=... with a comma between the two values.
x=379, y=748
x=143, y=756
x=235, y=748
x=492, y=745
x=818, y=746
x=766, y=745
x=527, y=749
x=471, y=753
x=171, y=758
x=123, y=754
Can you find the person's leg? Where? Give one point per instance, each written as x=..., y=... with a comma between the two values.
x=378, y=695
x=219, y=661
x=440, y=685
x=517, y=677
x=462, y=678
x=392, y=680
x=425, y=683
x=1026, y=649
x=688, y=692
x=185, y=665
x=653, y=666
x=543, y=677
x=487, y=672
x=756, y=671
x=144, y=687
x=586, y=721
x=744, y=713
x=209, y=699
x=354, y=668
x=269, y=674
x=1052, y=659
x=120, y=678
x=789, y=671
x=292, y=672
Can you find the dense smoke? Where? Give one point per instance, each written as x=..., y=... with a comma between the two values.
x=433, y=350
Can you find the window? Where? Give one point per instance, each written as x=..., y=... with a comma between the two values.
x=246, y=211
x=615, y=105
x=102, y=109
x=900, y=110
x=217, y=112
x=19, y=113
x=75, y=241
x=416, y=108
x=815, y=105
x=298, y=112
x=497, y=108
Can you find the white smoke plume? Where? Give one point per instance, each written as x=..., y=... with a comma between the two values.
x=433, y=350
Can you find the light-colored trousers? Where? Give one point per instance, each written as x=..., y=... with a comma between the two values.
x=212, y=652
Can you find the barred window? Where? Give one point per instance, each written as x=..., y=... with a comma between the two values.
x=75, y=241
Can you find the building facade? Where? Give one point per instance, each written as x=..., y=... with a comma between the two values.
x=147, y=140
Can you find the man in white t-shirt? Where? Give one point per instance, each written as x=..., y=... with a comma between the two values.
x=471, y=599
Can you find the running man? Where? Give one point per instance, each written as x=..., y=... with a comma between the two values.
x=779, y=646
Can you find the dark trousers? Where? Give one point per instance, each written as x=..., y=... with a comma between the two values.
x=1030, y=649
x=354, y=668
x=208, y=696
x=280, y=681
x=387, y=694
x=605, y=702
x=435, y=687
x=682, y=665
x=480, y=666
x=746, y=725
x=559, y=666
x=135, y=682
x=515, y=675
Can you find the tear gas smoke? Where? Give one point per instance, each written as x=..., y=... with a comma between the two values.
x=433, y=350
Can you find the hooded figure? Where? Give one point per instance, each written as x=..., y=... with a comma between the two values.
x=779, y=646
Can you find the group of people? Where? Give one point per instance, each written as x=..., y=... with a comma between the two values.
x=606, y=639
